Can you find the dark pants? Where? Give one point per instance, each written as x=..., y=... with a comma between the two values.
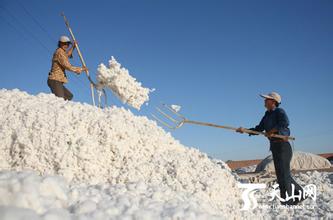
x=59, y=89
x=282, y=154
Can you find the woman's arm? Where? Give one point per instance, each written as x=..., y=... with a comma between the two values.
x=259, y=127
x=63, y=61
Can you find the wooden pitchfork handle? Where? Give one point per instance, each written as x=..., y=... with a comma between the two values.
x=248, y=131
x=81, y=58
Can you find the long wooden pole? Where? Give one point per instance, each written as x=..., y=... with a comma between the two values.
x=232, y=128
x=180, y=123
x=81, y=58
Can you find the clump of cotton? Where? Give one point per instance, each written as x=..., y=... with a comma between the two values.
x=176, y=108
x=122, y=84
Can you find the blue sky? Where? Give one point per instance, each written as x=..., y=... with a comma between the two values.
x=211, y=57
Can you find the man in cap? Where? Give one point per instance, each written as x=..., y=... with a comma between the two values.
x=57, y=76
x=275, y=121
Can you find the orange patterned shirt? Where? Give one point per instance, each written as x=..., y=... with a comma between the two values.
x=60, y=63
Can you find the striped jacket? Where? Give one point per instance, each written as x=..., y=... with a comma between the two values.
x=60, y=63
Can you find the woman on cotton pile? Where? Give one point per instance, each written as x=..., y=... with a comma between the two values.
x=275, y=121
x=57, y=76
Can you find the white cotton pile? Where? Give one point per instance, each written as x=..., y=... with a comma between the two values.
x=300, y=161
x=89, y=145
x=92, y=163
x=26, y=194
x=123, y=85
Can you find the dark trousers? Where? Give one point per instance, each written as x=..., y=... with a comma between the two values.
x=282, y=154
x=59, y=89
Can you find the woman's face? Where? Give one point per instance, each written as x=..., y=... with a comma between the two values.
x=64, y=46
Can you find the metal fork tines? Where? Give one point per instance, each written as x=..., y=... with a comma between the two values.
x=172, y=119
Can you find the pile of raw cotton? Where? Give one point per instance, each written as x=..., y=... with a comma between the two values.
x=299, y=161
x=91, y=163
x=111, y=162
x=122, y=84
x=51, y=197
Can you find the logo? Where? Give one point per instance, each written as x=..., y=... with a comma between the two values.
x=248, y=193
x=250, y=201
x=308, y=191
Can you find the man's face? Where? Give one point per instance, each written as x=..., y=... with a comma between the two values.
x=269, y=104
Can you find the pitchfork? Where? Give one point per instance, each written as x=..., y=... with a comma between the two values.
x=175, y=120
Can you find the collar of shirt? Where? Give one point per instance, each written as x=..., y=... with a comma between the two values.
x=272, y=110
